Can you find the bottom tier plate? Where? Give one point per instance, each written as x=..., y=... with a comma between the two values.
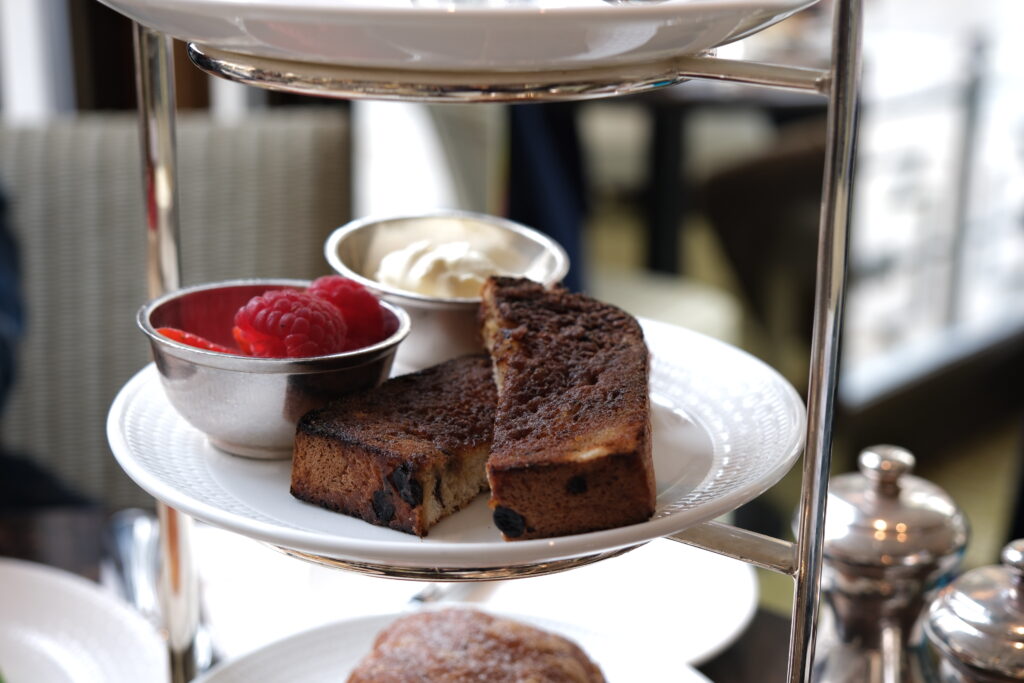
x=725, y=426
x=327, y=654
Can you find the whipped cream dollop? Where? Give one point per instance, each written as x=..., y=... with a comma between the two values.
x=442, y=269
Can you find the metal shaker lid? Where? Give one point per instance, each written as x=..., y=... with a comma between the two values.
x=884, y=517
x=977, y=622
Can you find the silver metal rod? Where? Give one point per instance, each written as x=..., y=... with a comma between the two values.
x=759, y=550
x=178, y=585
x=350, y=82
x=828, y=309
x=178, y=589
x=154, y=82
x=755, y=73
x=892, y=653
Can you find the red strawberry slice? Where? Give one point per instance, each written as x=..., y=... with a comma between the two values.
x=193, y=340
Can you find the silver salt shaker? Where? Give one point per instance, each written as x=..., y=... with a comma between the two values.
x=891, y=540
x=976, y=624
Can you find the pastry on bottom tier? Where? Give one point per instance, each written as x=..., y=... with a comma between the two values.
x=405, y=454
x=463, y=645
x=572, y=432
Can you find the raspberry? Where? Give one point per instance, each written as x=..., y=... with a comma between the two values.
x=360, y=308
x=193, y=340
x=286, y=323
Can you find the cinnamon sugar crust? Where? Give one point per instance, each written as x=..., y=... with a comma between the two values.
x=571, y=448
x=461, y=645
x=405, y=454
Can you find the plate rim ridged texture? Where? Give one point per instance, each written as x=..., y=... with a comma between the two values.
x=752, y=417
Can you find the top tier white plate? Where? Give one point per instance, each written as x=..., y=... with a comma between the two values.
x=462, y=35
x=725, y=426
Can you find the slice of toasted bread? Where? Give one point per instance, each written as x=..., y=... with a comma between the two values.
x=572, y=433
x=403, y=455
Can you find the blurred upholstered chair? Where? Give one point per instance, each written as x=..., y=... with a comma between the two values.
x=258, y=197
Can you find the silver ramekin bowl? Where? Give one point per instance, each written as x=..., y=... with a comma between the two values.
x=442, y=328
x=249, y=406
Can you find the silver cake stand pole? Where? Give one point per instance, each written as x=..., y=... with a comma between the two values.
x=802, y=560
x=828, y=312
x=178, y=585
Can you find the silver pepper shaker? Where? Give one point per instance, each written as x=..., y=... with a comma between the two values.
x=891, y=540
x=976, y=624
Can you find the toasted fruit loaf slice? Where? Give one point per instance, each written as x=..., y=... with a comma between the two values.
x=572, y=432
x=460, y=645
x=405, y=454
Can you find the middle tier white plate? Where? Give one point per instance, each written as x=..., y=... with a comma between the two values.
x=726, y=427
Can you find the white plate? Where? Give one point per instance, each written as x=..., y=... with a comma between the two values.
x=462, y=35
x=56, y=627
x=695, y=603
x=692, y=602
x=725, y=426
x=327, y=654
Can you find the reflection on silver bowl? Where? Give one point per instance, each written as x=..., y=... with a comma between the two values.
x=442, y=327
x=249, y=406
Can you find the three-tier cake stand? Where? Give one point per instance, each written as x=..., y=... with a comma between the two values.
x=801, y=559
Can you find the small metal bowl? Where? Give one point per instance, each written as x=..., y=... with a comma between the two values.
x=249, y=406
x=442, y=327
